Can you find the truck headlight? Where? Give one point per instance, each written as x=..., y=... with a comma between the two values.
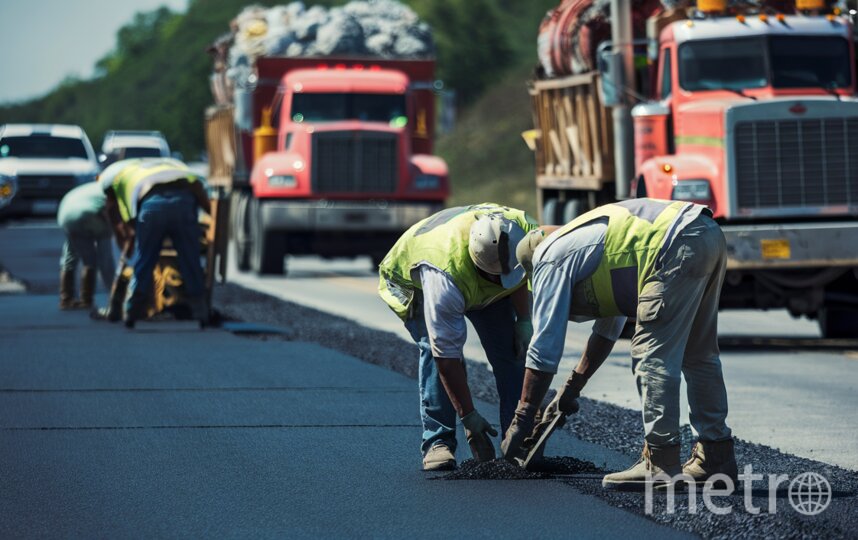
x=8, y=188
x=691, y=190
x=427, y=182
x=282, y=180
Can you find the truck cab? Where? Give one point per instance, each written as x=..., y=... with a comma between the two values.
x=756, y=117
x=343, y=167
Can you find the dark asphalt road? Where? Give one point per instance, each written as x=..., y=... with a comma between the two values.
x=114, y=433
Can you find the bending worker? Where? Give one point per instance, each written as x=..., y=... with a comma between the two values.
x=81, y=217
x=659, y=261
x=455, y=264
x=148, y=200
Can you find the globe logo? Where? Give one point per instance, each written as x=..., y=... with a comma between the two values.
x=809, y=493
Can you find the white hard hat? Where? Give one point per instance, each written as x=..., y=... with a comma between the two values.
x=527, y=247
x=492, y=245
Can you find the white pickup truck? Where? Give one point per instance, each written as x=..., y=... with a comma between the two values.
x=41, y=163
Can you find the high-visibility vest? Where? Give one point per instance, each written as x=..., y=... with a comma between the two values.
x=635, y=236
x=134, y=181
x=442, y=241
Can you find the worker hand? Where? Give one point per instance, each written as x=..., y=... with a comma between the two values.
x=513, y=446
x=567, y=398
x=522, y=336
x=478, y=430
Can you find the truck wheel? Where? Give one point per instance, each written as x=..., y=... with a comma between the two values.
x=551, y=212
x=838, y=322
x=241, y=231
x=267, y=247
x=572, y=209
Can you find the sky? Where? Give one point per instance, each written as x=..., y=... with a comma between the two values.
x=44, y=41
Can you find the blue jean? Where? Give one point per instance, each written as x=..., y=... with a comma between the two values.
x=88, y=240
x=495, y=327
x=165, y=214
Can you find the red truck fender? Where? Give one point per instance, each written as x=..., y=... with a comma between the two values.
x=681, y=177
x=289, y=171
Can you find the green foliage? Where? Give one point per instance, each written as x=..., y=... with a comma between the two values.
x=488, y=160
x=157, y=77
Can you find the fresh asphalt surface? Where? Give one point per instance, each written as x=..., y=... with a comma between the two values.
x=115, y=433
x=110, y=432
x=787, y=388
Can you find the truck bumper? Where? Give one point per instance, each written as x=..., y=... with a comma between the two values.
x=791, y=245
x=343, y=216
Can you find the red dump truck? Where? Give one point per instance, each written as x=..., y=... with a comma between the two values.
x=329, y=156
x=752, y=112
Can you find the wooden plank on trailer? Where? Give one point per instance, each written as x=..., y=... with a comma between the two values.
x=558, y=150
x=583, y=183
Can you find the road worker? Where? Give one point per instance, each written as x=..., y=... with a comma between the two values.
x=662, y=262
x=457, y=264
x=82, y=219
x=148, y=200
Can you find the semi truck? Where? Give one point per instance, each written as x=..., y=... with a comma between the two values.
x=752, y=112
x=326, y=155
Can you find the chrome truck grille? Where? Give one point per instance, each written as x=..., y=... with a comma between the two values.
x=804, y=165
x=355, y=162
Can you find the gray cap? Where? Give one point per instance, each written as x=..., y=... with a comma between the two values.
x=492, y=246
x=527, y=247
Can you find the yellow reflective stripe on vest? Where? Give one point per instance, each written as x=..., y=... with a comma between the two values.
x=634, y=238
x=442, y=241
x=128, y=182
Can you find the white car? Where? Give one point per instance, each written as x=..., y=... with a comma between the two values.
x=42, y=162
x=133, y=144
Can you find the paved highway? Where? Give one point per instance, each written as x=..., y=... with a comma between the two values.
x=787, y=388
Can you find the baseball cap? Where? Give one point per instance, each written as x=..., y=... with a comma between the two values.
x=527, y=247
x=492, y=245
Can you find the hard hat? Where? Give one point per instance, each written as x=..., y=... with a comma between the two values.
x=492, y=246
x=527, y=247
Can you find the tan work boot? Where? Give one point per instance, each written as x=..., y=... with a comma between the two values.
x=67, y=290
x=654, y=461
x=709, y=458
x=439, y=458
x=87, y=287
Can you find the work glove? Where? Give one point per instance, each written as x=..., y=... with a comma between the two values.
x=478, y=430
x=513, y=446
x=522, y=336
x=565, y=403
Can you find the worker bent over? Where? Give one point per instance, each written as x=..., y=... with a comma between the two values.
x=149, y=200
x=455, y=264
x=81, y=217
x=659, y=261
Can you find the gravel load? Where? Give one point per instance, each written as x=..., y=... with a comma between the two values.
x=371, y=28
x=601, y=423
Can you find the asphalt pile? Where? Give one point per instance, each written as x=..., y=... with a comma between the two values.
x=500, y=469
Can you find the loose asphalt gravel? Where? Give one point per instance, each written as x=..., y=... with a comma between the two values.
x=601, y=423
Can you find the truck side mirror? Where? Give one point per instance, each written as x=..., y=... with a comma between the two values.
x=611, y=74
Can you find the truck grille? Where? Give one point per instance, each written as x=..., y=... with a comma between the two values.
x=41, y=186
x=797, y=163
x=355, y=162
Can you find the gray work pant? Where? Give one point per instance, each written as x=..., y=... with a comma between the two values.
x=677, y=334
x=88, y=240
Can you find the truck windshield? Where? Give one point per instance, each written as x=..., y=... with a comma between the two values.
x=387, y=108
x=782, y=61
x=42, y=146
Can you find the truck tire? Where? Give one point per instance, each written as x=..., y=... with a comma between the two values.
x=267, y=247
x=551, y=212
x=572, y=209
x=241, y=237
x=836, y=322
